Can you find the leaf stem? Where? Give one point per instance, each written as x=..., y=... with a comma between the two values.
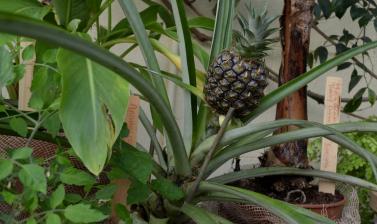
x=208, y=157
x=19, y=111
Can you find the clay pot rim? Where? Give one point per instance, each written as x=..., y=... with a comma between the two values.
x=329, y=205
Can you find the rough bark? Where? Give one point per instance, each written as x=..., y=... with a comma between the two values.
x=295, y=37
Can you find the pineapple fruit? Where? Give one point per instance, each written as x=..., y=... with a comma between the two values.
x=237, y=77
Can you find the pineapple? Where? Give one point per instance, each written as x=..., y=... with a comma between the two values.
x=237, y=77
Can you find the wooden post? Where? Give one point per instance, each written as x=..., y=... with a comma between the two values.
x=329, y=155
x=131, y=119
x=24, y=92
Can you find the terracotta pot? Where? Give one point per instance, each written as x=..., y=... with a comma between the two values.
x=332, y=211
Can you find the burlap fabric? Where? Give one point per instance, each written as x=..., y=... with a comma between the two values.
x=246, y=214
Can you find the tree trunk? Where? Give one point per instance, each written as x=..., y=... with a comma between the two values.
x=295, y=37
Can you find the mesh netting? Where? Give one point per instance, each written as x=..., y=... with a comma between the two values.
x=245, y=214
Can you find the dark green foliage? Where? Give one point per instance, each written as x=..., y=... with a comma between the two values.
x=351, y=164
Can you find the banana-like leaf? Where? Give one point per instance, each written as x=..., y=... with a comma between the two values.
x=295, y=84
x=202, y=216
x=23, y=26
x=28, y=8
x=236, y=134
x=272, y=171
x=188, y=71
x=91, y=115
x=290, y=213
x=303, y=133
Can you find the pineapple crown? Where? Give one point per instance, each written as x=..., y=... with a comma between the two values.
x=253, y=40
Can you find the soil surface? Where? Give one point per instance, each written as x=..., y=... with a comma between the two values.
x=292, y=189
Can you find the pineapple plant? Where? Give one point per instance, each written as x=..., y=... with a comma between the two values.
x=237, y=77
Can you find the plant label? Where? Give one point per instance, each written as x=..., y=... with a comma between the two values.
x=329, y=154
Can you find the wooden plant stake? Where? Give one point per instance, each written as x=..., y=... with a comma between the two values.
x=24, y=92
x=329, y=155
x=131, y=119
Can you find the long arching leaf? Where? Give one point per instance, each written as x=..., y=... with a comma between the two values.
x=284, y=90
x=290, y=213
x=188, y=71
x=303, y=133
x=238, y=133
x=272, y=171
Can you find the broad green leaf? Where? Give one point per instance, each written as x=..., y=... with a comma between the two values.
x=28, y=53
x=89, y=110
x=123, y=213
x=33, y=177
x=375, y=24
x=31, y=221
x=72, y=198
x=28, y=8
x=357, y=12
x=137, y=193
x=6, y=65
x=52, y=124
x=123, y=29
x=365, y=19
x=344, y=66
x=52, y=218
x=321, y=53
x=355, y=102
x=68, y=10
x=2, y=108
x=19, y=72
x=77, y=177
x=371, y=96
x=167, y=189
x=82, y=213
x=107, y=192
x=22, y=153
x=272, y=171
x=6, y=167
x=129, y=160
x=19, y=125
x=340, y=7
x=6, y=38
x=355, y=79
x=325, y=6
x=53, y=35
x=8, y=197
x=57, y=197
x=45, y=88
